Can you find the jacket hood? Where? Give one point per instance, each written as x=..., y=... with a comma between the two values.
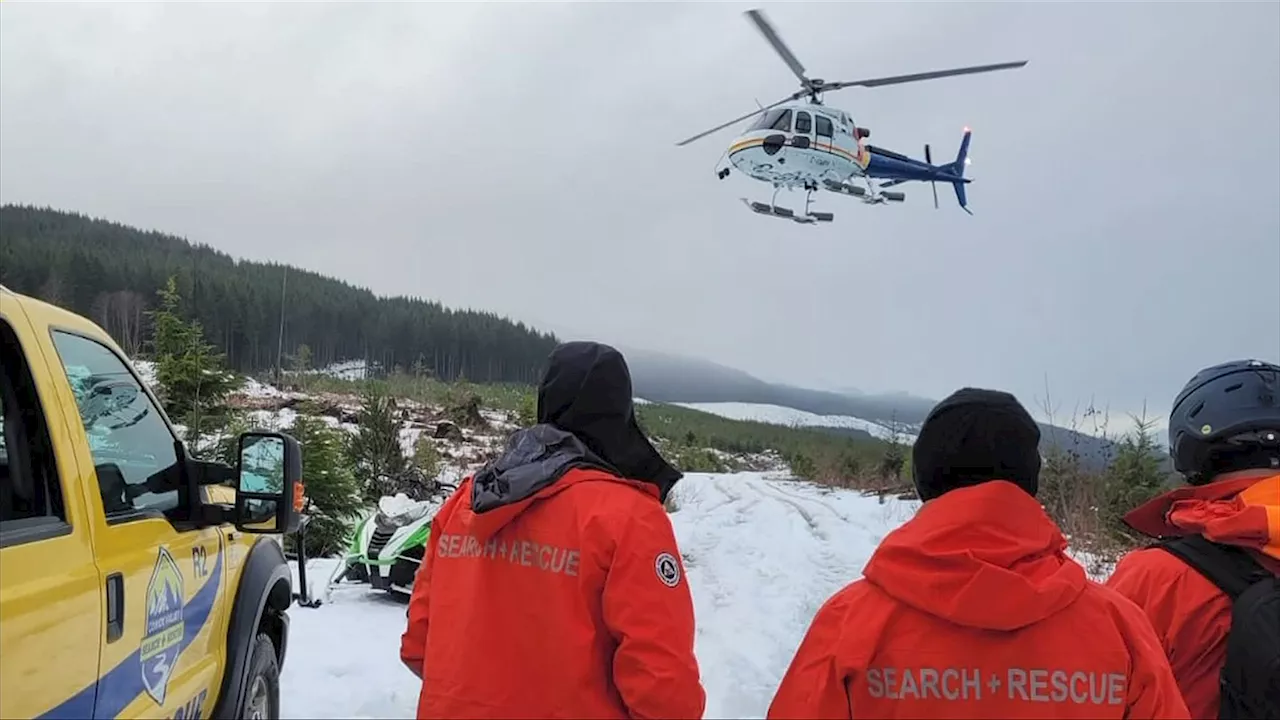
x=985, y=557
x=537, y=464
x=533, y=459
x=1242, y=509
x=587, y=392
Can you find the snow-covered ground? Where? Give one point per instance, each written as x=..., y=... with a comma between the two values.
x=346, y=370
x=343, y=657
x=762, y=554
x=778, y=415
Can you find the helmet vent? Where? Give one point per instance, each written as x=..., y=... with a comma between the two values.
x=1197, y=410
x=1233, y=388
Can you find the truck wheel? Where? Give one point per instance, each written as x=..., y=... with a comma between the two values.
x=262, y=689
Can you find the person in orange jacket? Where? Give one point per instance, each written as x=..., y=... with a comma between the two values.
x=552, y=585
x=1224, y=437
x=972, y=609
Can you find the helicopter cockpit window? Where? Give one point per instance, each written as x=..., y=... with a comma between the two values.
x=803, y=124
x=764, y=120
x=774, y=120
x=824, y=126
x=783, y=123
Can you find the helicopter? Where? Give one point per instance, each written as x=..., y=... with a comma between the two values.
x=798, y=142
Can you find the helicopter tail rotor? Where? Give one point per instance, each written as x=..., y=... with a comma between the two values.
x=952, y=172
x=928, y=158
x=956, y=170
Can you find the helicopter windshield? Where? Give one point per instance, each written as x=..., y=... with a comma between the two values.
x=773, y=120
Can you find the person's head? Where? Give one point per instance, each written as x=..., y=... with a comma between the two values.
x=1225, y=420
x=586, y=391
x=972, y=437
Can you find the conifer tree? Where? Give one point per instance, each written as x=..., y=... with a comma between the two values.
x=1136, y=473
x=333, y=493
x=193, y=384
x=379, y=458
x=103, y=270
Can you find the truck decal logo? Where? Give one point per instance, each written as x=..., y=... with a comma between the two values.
x=109, y=695
x=165, y=628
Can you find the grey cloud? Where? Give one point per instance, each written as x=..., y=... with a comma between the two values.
x=520, y=157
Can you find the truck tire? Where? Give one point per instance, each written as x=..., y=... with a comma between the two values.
x=262, y=686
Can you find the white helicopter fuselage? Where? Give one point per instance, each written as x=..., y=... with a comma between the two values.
x=795, y=144
x=800, y=145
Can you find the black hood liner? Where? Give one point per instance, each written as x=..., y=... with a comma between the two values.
x=534, y=458
x=585, y=394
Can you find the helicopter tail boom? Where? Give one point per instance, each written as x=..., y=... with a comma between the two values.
x=893, y=169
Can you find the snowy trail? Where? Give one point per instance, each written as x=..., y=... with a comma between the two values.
x=344, y=657
x=762, y=554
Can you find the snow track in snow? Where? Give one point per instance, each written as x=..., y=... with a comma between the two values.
x=762, y=554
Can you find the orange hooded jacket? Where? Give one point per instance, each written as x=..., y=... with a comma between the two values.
x=1190, y=614
x=568, y=602
x=972, y=609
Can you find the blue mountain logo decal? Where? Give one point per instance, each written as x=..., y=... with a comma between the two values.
x=163, y=639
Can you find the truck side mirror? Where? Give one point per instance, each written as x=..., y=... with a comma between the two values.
x=270, y=467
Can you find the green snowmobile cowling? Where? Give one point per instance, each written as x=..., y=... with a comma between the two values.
x=387, y=546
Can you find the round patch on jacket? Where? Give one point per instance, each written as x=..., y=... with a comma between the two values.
x=668, y=569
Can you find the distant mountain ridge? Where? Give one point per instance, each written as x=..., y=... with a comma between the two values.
x=110, y=272
x=253, y=312
x=663, y=377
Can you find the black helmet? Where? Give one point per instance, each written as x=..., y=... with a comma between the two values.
x=1227, y=418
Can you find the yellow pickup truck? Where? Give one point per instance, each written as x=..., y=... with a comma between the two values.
x=127, y=588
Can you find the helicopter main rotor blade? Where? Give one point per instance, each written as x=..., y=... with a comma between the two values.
x=771, y=35
x=916, y=77
x=737, y=120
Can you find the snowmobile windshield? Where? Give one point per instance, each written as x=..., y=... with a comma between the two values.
x=399, y=510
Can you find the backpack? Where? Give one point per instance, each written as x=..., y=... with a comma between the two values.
x=1250, y=678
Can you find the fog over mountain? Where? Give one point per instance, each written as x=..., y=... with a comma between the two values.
x=664, y=377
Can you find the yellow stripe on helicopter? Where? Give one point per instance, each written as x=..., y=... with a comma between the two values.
x=862, y=158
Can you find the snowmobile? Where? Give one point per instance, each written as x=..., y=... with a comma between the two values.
x=387, y=546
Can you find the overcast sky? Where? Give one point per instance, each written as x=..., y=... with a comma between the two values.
x=520, y=158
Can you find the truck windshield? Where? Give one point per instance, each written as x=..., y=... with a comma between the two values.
x=134, y=454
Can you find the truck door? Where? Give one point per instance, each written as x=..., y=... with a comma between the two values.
x=50, y=594
x=163, y=657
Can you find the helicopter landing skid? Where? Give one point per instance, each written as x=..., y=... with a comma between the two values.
x=787, y=213
x=774, y=210
x=870, y=195
x=880, y=197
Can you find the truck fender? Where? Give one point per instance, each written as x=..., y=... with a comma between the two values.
x=265, y=580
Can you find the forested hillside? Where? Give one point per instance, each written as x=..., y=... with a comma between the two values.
x=110, y=272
